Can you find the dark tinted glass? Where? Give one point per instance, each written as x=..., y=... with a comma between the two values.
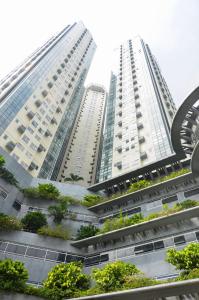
x=36, y=252
x=16, y=249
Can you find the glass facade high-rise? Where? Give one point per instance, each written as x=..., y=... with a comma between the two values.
x=40, y=99
x=143, y=112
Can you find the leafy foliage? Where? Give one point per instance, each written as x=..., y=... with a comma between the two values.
x=124, y=221
x=57, y=231
x=2, y=161
x=9, y=223
x=67, y=278
x=33, y=221
x=45, y=191
x=90, y=200
x=86, y=231
x=73, y=178
x=187, y=204
x=141, y=184
x=186, y=259
x=59, y=211
x=12, y=274
x=139, y=280
x=112, y=276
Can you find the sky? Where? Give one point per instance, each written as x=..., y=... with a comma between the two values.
x=170, y=27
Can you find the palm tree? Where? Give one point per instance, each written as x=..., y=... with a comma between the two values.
x=59, y=211
x=73, y=178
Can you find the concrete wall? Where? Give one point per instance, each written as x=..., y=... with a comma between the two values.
x=17, y=296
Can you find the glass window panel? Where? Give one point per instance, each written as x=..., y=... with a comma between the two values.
x=19, y=249
x=36, y=252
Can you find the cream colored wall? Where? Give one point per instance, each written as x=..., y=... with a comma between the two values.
x=85, y=137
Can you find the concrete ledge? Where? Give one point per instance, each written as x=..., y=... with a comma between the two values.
x=162, y=221
x=129, y=196
x=152, y=292
x=17, y=296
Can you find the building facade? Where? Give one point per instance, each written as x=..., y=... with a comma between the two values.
x=81, y=157
x=143, y=110
x=39, y=101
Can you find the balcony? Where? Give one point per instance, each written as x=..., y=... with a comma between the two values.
x=21, y=129
x=10, y=146
x=48, y=133
x=137, y=228
x=38, y=103
x=58, y=110
x=30, y=115
x=32, y=166
x=41, y=148
x=143, y=155
x=53, y=121
x=141, y=139
x=140, y=126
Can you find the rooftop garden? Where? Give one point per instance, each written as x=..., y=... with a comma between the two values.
x=123, y=221
x=69, y=280
x=91, y=200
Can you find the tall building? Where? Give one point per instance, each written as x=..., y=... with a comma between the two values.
x=139, y=131
x=81, y=157
x=39, y=101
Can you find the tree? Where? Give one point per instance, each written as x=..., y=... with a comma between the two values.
x=73, y=178
x=59, y=211
x=86, y=231
x=13, y=274
x=112, y=276
x=186, y=259
x=48, y=190
x=33, y=221
x=67, y=279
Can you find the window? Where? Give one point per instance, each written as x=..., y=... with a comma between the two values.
x=17, y=204
x=158, y=245
x=169, y=200
x=19, y=146
x=30, y=130
x=197, y=235
x=16, y=249
x=35, y=124
x=33, y=146
x=36, y=252
x=179, y=240
x=144, y=248
x=3, y=195
x=25, y=138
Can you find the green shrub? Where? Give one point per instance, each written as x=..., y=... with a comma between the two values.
x=193, y=274
x=112, y=276
x=186, y=259
x=9, y=223
x=33, y=221
x=86, y=231
x=45, y=191
x=12, y=274
x=31, y=192
x=90, y=200
x=187, y=204
x=141, y=184
x=48, y=191
x=121, y=222
x=66, y=279
x=2, y=161
x=59, y=211
x=137, y=281
x=57, y=231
